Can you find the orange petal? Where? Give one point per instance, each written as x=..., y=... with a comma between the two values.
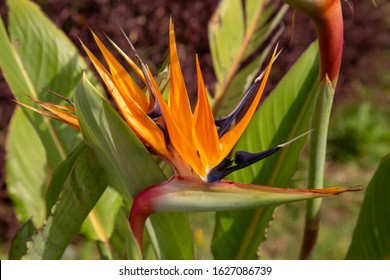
x=121, y=100
x=179, y=140
x=178, y=98
x=229, y=139
x=135, y=117
x=204, y=131
x=57, y=112
x=123, y=81
x=61, y=107
x=132, y=64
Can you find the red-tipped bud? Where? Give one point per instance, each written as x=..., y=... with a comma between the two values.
x=328, y=19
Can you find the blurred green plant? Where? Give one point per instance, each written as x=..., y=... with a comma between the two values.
x=68, y=182
x=360, y=133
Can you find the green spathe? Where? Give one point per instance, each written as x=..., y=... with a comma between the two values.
x=189, y=194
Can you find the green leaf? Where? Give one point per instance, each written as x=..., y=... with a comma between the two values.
x=18, y=245
x=37, y=55
x=236, y=32
x=25, y=170
x=125, y=160
x=100, y=223
x=284, y=115
x=245, y=75
x=226, y=28
x=371, y=239
x=59, y=177
x=267, y=22
x=83, y=188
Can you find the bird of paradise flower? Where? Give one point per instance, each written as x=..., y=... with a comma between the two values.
x=195, y=144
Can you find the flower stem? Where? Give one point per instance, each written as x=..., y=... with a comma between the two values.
x=318, y=138
x=328, y=19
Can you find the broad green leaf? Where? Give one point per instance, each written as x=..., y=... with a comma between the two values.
x=236, y=31
x=27, y=68
x=59, y=177
x=83, y=188
x=371, y=239
x=125, y=161
x=245, y=75
x=18, y=244
x=226, y=28
x=25, y=170
x=100, y=223
x=270, y=17
x=284, y=115
x=37, y=56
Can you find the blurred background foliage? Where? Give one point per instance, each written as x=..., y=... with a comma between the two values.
x=359, y=133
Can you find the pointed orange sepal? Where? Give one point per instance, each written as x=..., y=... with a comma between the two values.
x=178, y=102
x=182, y=144
x=229, y=139
x=58, y=112
x=204, y=131
x=144, y=127
x=121, y=78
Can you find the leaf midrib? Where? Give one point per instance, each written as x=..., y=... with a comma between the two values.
x=220, y=95
x=22, y=70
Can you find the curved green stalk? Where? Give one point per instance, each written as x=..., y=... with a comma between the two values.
x=318, y=139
